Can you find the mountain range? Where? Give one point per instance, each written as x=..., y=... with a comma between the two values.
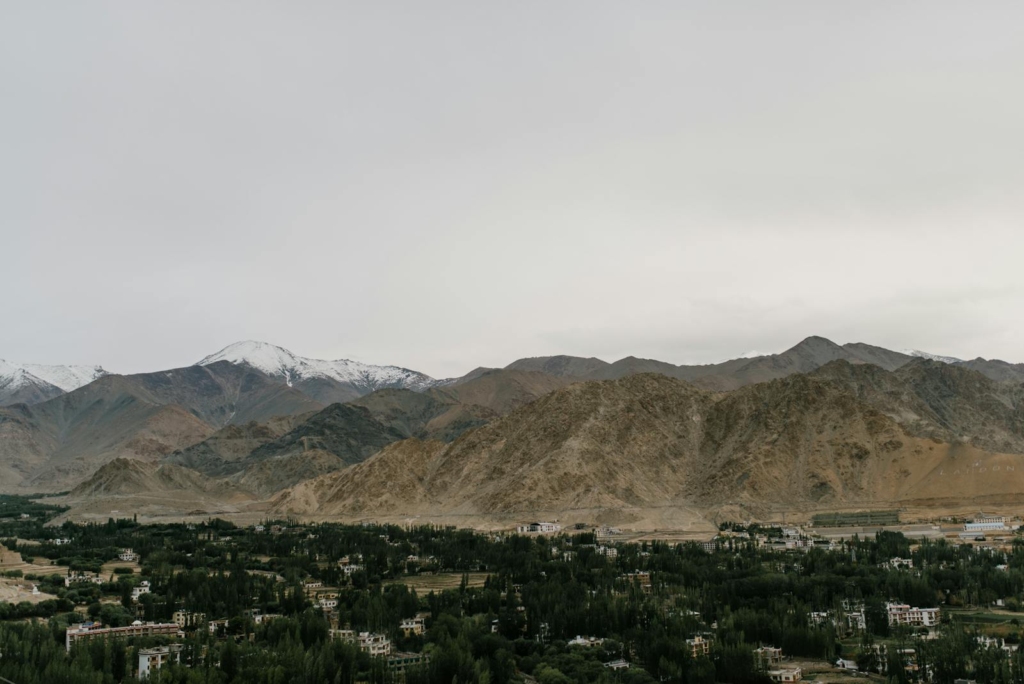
x=255, y=425
x=31, y=383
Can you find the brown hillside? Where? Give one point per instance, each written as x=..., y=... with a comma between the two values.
x=648, y=441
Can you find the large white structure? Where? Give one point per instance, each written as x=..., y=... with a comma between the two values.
x=539, y=528
x=903, y=614
x=986, y=525
x=152, y=659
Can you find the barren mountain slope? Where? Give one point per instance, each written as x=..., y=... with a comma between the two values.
x=150, y=490
x=503, y=390
x=57, y=443
x=879, y=356
x=1000, y=371
x=434, y=414
x=43, y=453
x=129, y=477
x=631, y=365
x=232, y=443
x=797, y=439
x=21, y=388
x=266, y=477
x=595, y=444
x=562, y=366
x=973, y=407
x=647, y=441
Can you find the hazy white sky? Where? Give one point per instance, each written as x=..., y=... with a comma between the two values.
x=445, y=185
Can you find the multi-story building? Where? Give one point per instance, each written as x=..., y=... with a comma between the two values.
x=400, y=662
x=142, y=588
x=184, y=618
x=152, y=659
x=411, y=626
x=369, y=642
x=903, y=614
x=767, y=656
x=88, y=631
x=699, y=646
x=128, y=556
x=81, y=577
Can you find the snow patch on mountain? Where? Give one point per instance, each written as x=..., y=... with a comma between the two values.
x=932, y=357
x=280, y=363
x=67, y=378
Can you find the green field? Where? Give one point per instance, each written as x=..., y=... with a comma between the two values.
x=856, y=519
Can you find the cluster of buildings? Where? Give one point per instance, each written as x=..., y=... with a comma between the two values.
x=586, y=641
x=539, y=528
x=898, y=563
x=851, y=621
x=350, y=564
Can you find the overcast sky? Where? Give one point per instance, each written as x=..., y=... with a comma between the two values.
x=444, y=185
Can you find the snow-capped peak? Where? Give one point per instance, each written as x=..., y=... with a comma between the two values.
x=932, y=357
x=280, y=363
x=66, y=378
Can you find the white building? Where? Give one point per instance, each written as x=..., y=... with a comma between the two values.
x=152, y=659
x=903, y=614
x=586, y=641
x=786, y=674
x=898, y=563
x=128, y=556
x=539, y=528
x=142, y=588
x=412, y=626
